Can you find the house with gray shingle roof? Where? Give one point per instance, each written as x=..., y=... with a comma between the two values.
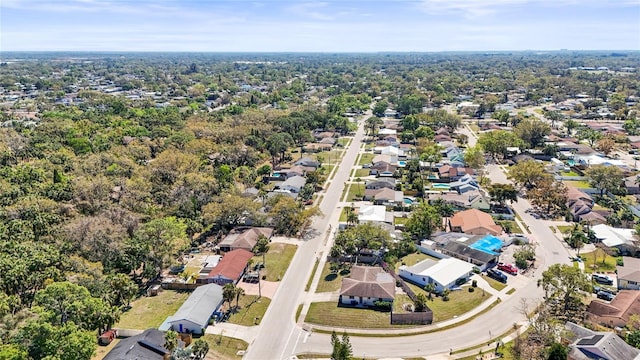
x=194, y=314
x=366, y=285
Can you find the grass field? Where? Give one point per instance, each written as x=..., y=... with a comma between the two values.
x=355, y=189
x=495, y=283
x=564, y=229
x=594, y=261
x=277, y=260
x=329, y=314
x=365, y=158
x=360, y=173
x=400, y=220
x=249, y=308
x=150, y=312
x=328, y=281
x=223, y=347
x=577, y=184
x=412, y=259
x=460, y=302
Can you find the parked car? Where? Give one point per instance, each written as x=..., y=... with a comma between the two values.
x=602, y=279
x=605, y=295
x=508, y=268
x=497, y=275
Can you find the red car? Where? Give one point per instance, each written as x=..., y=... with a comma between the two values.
x=508, y=268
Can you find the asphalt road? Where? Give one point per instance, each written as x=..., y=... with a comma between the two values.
x=278, y=333
x=478, y=331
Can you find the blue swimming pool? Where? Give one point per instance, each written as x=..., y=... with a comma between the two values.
x=408, y=201
x=440, y=186
x=488, y=244
x=402, y=163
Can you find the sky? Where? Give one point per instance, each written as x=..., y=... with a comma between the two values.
x=318, y=26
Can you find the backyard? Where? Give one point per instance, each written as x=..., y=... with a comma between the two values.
x=277, y=260
x=460, y=301
x=598, y=261
x=150, y=312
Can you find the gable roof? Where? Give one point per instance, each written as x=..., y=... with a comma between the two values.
x=294, y=181
x=368, y=281
x=573, y=194
x=245, y=238
x=599, y=345
x=232, y=264
x=625, y=304
x=444, y=271
x=630, y=270
x=611, y=236
x=474, y=219
x=200, y=305
x=148, y=345
x=372, y=213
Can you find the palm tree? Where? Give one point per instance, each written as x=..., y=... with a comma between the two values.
x=262, y=247
x=445, y=294
x=239, y=293
x=170, y=340
x=228, y=292
x=430, y=288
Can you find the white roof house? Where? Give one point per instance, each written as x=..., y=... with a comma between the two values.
x=613, y=237
x=194, y=314
x=386, y=131
x=372, y=213
x=443, y=273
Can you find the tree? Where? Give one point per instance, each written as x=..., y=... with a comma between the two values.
x=549, y=194
x=262, y=247
x=592, y=136
x=420, y=302
x=474, y=158
x=289, y=216
x=170, y=340
x=606, y=145
x=430, y=288
x=577, y=238
x=633, y=338
x=431, y=154
x=65, y=342
x=162, y=239
x=605, y=178
x=238, y=293
x=424, y=220
x=342, y=349
x=570, y=125
x=277, y=144
x=445, y=294
x=121, y=290
x=12, y=352
x=565, y=283
x=528, y=173
x=380, y=107
x=502, y=116
x=200, y=348
x=228, y=292
x=496, y=142
x=228, y=210
x=557, y=352
x=372, y=124
x=502, y=193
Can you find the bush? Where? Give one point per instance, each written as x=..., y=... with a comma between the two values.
x=382, y=305
x=472, y=289
x=474, y=283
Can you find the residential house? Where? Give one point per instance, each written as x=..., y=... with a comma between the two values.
x=618, y=311
x=384, y=196
x=629, y=273
x=618, y=238
x=632, y=184
x=483, y=260
x=384, y=158
x=474, y=221
x=445, y=273
x=383, y=169
x=585, y=344
x=244, y=238
x=381, y=183
x=289, y=172
x=469, y=200
x=452, y=173
x=148, y=345
x=580, y=206
x=316, y=147
x=293, y=184
x=230, y=269
x=194, y=314
x=366, y=285
x=308, y=162
x=374, y=214
x=464, y=184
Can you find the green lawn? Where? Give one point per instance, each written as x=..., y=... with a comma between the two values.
x=594, y=261
x=277, y=260
x=249, y=308
x=495, y=283
x=460, y=302
x=511, y=225
x=578, y=184
x=366, y=158
x=360, y=173
x=329, y=314
x=564, y=229
x=399, y=302
x=328, y=281
x=223, y=347
x=569, y=173
x=400, y=220
x=355, y=189
x=343, y=215
x=150, y=312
